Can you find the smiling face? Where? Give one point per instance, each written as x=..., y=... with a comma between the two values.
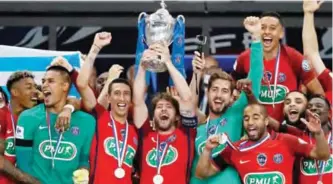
x=219, y=96
x=319, y=106
x=255, y=121
x=271, y=32
x=119, y=97
x=294, y=107
x=25, y=92
x=164, y=115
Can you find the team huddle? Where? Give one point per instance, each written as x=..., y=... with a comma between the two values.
x=267, y=122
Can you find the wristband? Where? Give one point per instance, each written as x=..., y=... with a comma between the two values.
x=69, y=106
x=190, y=122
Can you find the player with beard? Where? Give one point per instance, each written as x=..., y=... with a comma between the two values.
x=49, y=154
x=169, y=149
x=284, y=67
x=224, y=116
x=294, y=107
x=311, y=48
x=265, y=157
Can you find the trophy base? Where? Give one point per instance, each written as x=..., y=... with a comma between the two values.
x=154, y=65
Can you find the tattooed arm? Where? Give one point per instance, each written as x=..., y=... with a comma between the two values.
x=7, y=168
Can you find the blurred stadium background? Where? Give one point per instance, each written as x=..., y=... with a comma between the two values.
x=70, y=26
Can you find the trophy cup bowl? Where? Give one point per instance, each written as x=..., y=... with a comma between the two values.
x=159, y=29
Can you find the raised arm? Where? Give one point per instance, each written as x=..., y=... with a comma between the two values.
x=87, y=94
x=310, y=40
x=114, y=73
x=184, y=91
x=140, y=108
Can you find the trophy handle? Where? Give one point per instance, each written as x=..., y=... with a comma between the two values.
x=181, y=17
x=142, y=15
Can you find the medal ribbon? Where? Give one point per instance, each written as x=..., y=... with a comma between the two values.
x=159, y=160
x=276, y=72
x=13, y=121
x=321, y=165
x=246, y=148
x=53, y=154
x=120, y=152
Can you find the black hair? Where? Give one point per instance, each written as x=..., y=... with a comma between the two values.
x=64, y=72
x=17, y=76
x=119, y=81
x=273, y=14
x=4, y=94
x=321, y=97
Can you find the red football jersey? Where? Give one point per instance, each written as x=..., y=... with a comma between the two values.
x=175, y=164
x=308, y=168
x=269, y=160
x=103, y=154
x=293, y=69
x=7, y=133
x=325, y=79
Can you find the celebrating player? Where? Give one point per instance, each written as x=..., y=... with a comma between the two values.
x=49, y=154
x=266, y=158
x=224, y=116
x=310, y=46
x=285, y=68
x=116, y=140
x=169, y=149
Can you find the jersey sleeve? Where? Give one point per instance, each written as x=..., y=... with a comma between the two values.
x=3, y=123
x=301, y=67
x=325, y=79
x=239, y=71
x=223, y=159
x=89, y=124
x=255, y=75
x=297, y=146
x=25, y=130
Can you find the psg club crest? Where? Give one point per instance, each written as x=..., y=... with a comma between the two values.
x=261, y=159
x=267, y=76
x=179, y=40
x=223, y=121
x=75, y=130
x=282, y=77
x=278, y=158
x=212, y=129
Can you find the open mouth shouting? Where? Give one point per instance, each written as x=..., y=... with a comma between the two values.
x=267, y=41
x=252, y=131
x=122, y=106
x=293, y=115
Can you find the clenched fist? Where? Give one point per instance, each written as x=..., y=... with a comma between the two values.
x=102, y=39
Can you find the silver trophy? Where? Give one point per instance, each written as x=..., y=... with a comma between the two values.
x=159, y=29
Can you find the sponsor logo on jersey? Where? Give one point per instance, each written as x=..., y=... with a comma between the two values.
x=261, y=159
x=264, y=178
x=223, y=121
x=66, y=151
x=278, y=158
x=10, y=146
x=19, y=132
x=111, y=149
x=282, y=77
x=309, y=167
x=170, y=156
x=266, y=95
x=306, y=66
